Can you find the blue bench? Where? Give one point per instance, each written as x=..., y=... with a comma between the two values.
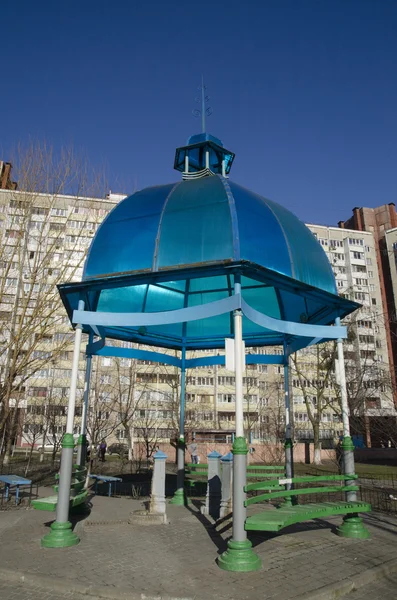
x=14, y=480
x=105, y=479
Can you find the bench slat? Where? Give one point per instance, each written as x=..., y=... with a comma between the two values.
x=265, y=468
x=276, y=519
x=306, y=479
x=50, y=503
x=300, y=492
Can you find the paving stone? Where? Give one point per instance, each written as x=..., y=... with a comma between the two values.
x=179, y=559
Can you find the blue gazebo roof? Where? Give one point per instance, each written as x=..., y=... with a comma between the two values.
x=179, y=245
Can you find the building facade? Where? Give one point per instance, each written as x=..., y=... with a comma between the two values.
x=44, y=240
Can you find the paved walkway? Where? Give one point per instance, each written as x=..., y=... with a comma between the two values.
x=117, y=559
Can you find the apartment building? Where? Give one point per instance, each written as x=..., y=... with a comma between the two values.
x=354, y=258
x=44, y=241
x=379, y=221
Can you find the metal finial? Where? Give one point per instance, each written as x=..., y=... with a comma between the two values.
x=205, y=111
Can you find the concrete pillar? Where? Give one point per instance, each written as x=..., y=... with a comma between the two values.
x=288, y=445
x=213, y=496
x=226, y=484
x=180, y=496
x=82, y=441
x=157, y=498
x=61, y=534
x=239, y=555
x=352, y=526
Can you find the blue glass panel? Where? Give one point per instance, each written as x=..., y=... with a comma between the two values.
x=261, y=238
x=207, y=284
x=196, y=225
x=126, y=239
x=310, y=263
x=128, y=299
x=219, y=325
x=159, y=299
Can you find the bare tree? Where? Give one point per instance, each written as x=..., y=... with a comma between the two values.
x=315, y=374
x=44, y=237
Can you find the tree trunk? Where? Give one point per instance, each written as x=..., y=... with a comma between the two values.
x=317, y=444
x=7, y=454
x=130, y=441
x=29, y=459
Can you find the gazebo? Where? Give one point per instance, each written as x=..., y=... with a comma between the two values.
x=186, y=266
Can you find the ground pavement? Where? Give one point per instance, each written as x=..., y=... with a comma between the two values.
x=130, y=561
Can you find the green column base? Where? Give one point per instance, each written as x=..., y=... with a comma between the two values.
x=60, y=536
x=179, y=498
x=239, y=557
x=353, y=527
x=286, y=503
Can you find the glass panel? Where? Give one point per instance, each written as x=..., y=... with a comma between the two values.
x=206, y=284
x=126, y=239
x=159, y=300
x=196, y=224
x=219, y=325
x=261, y=238
x=310, y=262
x=128, y=299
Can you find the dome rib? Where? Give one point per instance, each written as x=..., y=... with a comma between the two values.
x=234, y=219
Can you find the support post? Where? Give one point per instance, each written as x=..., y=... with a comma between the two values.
x=157, y=499
x=213, y=496
x=61, y=534
x=207, y=159
x=239, y=555
x=82, y=441
x=226, y=481
x=288, y=445
x=180, y=496
x=352, y=526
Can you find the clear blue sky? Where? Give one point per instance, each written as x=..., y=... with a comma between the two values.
x=303, y=91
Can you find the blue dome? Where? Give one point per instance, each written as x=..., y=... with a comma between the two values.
x=191, y=250
x=205, y=221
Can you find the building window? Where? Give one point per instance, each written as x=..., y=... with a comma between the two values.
x=358, y=256
x=226, y=398
x=58, y=212
x=360, y=296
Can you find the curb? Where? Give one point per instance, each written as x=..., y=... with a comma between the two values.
x=339, y=589
x=69, y=585
x=334, y=591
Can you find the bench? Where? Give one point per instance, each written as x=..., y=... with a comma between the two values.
x=195, y=474
x=78, y=493
x=285, y=515
x=104, y=479
x=14, y=480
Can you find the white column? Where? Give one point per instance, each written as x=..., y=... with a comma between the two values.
x=347, y=443
x=75, y=371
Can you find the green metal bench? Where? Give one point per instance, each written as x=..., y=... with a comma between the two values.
x=268, y=471
x=195, y=475
x=289, y=514
x=78, y=494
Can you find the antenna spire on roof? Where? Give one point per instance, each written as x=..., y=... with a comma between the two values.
x=205, y=111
